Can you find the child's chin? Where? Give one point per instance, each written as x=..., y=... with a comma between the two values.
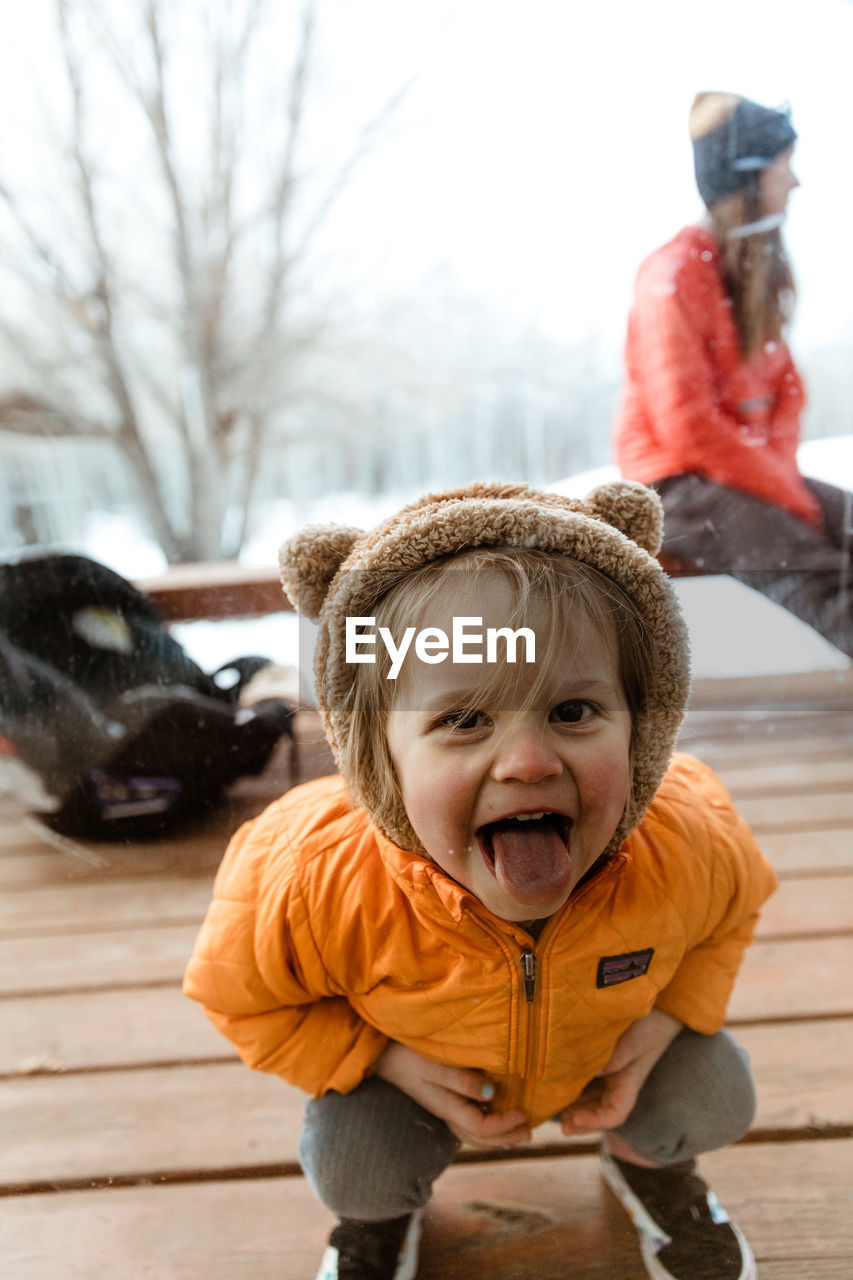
x=522, y=912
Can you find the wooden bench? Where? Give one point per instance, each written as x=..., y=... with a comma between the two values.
x=222, y=589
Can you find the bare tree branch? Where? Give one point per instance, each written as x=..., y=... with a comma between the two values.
x=42, y=253
x=206, y=351
x=230, y=67
x=368, y=138
x=102, y=291
x=281, y=201
x=25, y=414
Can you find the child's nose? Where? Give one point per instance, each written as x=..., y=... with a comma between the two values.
x=525, y=757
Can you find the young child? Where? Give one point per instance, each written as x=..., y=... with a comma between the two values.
x=511, y=906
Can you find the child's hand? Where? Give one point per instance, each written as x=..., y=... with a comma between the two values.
x=453, y=1094
x=609, y=1099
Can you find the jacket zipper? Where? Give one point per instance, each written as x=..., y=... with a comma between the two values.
x=529, y=963
x=528, y=1012
x=528, y=973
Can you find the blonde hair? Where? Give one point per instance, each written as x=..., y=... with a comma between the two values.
x=573, y=592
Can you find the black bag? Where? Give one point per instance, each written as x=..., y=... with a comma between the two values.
x=108, y=729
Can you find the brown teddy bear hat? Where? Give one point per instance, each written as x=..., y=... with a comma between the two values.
x=331, y=572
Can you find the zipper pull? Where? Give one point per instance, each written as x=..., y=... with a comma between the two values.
x=528, y=973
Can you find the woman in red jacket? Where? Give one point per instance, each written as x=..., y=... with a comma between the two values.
x=711, y=409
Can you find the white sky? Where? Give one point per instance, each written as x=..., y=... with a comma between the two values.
x=546, y=148
x=543, y=151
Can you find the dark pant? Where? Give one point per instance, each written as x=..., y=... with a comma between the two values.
x=715, y=529
x=374, y=1153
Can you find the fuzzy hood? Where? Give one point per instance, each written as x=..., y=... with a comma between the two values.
x=331, y=572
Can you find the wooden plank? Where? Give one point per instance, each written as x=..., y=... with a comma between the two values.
x=805, y=813
x=809, y=978
x=76, y=908
x=39, y=866
x=793, y=1269
x=144, y=1026
x=71, y=858
x=224, y=1117
x=797, y=853
x=145, y=1123
x=59, y=858
x=789, y=776
x=111, y=958
x=742, y=740
x=802, y=1073
x=266, y=1230
x=511, y=1220
x=828, y=688
x=219, y=589
x=15, y=828
x=731, y=749
x=809, y=905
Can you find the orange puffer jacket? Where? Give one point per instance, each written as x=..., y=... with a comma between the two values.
x=324, y=939
x=690, y=402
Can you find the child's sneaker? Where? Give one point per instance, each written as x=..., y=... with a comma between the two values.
x=373, y=1250
x=685, y=1234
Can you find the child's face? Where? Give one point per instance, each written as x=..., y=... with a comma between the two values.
x=468, y=777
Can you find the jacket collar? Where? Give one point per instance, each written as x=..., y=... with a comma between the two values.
x=435, y=894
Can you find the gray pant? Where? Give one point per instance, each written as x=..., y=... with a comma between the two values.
x=374, y=1153
x=714, y=529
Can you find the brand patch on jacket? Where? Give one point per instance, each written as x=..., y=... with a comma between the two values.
x=633, y=964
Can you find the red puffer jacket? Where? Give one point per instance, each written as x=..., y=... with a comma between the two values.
x=324, y=939
x=690, y=402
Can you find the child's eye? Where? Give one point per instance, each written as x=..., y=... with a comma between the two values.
x=459, y=721
x=573, y=711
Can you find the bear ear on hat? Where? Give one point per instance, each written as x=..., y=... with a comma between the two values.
x=632, y=509
x=309, y=561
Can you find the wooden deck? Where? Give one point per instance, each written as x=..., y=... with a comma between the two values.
x=136, y=1145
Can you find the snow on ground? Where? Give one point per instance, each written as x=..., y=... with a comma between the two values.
x=829, y=459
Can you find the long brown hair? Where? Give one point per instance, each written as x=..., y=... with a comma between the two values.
x=756, y=271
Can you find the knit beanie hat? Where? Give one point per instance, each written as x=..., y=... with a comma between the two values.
x=332, y=572
x=734, y=139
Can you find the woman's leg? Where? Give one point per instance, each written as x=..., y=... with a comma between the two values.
x=698, y=1097
x=373, y=1154
x=837, y=507
x=722, y=530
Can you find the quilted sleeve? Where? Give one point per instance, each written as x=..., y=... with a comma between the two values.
x=256, y=972
x=733, y=878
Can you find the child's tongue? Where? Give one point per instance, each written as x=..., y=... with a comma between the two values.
x=532, y=862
